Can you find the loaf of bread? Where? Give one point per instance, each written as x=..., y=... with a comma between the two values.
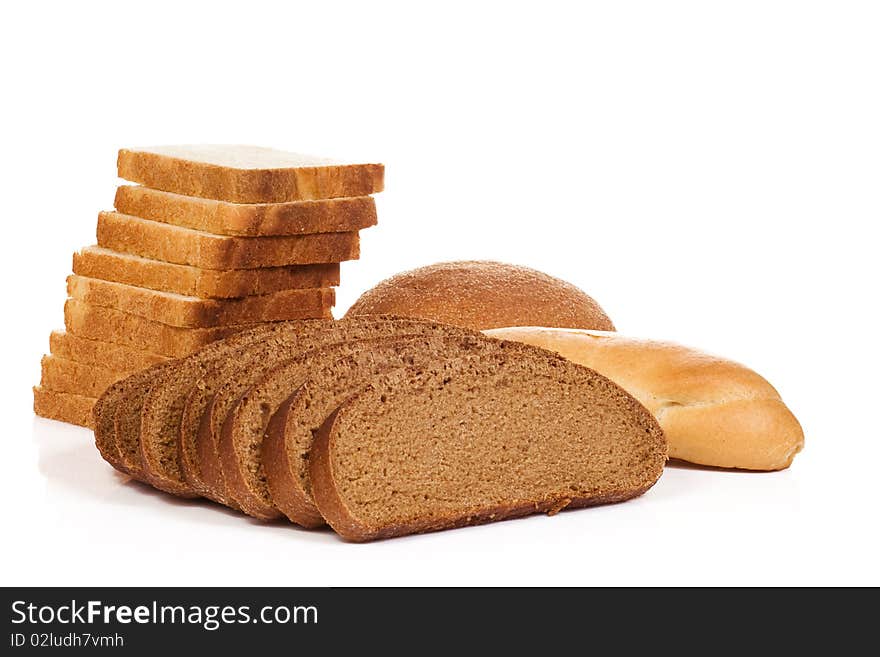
x=489, y=429
x=245, y=424
x=107, y=265
x=326, y=385
x=246, y=174
x=180, y=310
x=336, y=215
x=714, y=411
x=482, y=295
x=261, y=373
x=461, y=442
x=184, y=246
x=117, y=413
x=64, y=407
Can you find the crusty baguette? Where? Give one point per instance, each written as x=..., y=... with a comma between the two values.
x=714, y=411
x=247, y=219
x=62, y=375
x=184, y=246
x=96, y=352
x=97, y=262
x=482, y=294
x=110, y=325
x=64, y=407
x=246, y=174
x=179, y=310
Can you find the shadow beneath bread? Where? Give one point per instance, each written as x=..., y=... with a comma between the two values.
x=687, y=465
x=70, y=462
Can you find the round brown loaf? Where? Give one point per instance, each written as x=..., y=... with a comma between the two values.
x=482, y=295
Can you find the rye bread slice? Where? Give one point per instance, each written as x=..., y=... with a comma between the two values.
x=209, y=395
x=161, y=409
x=216, y=394
x=104, y=418
x=291, y=428
x=116, y=414
x=480, y=439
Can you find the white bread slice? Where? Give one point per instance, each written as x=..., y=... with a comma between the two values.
x=110, y=325
x=246, y=174
x=247, y=219
x=64, y=407
x=153, y=239
x=104, y=354
x=62, y=375
x=108, y=265
x=180, y=310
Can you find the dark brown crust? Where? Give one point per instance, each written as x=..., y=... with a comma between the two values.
x=225, y=433
x=206, y=180
x=482, y=295
x=344, y=523
x=104, y=417
x=236, y=486
x=285, y=488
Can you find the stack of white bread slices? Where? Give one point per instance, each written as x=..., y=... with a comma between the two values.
x=211, y=240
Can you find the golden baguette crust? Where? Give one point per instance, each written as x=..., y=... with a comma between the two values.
x=247, y=219
x=481, y=295
x=108, y=265
x=62, y=375
x=64, y=407
x=184, y=246
x=96, y=352
x=714, y=411
x=246, y=174
x=110, y=325
x=179, y=310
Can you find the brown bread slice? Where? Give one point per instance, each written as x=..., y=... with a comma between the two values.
x=245, y=424
x=110, y=325
x=246, y=174
x=87, y=380
x=97, y=262
x=291, y=429
x=178, y=310
x=184, y=246
x=104, y=418
x=247, y=219
x=63, y=406
x=480, y=439
x=96, y=352
x=116, y=414
x=162, y=405
x=215, y=394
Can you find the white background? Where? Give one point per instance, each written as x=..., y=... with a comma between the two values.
x=707, y=171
